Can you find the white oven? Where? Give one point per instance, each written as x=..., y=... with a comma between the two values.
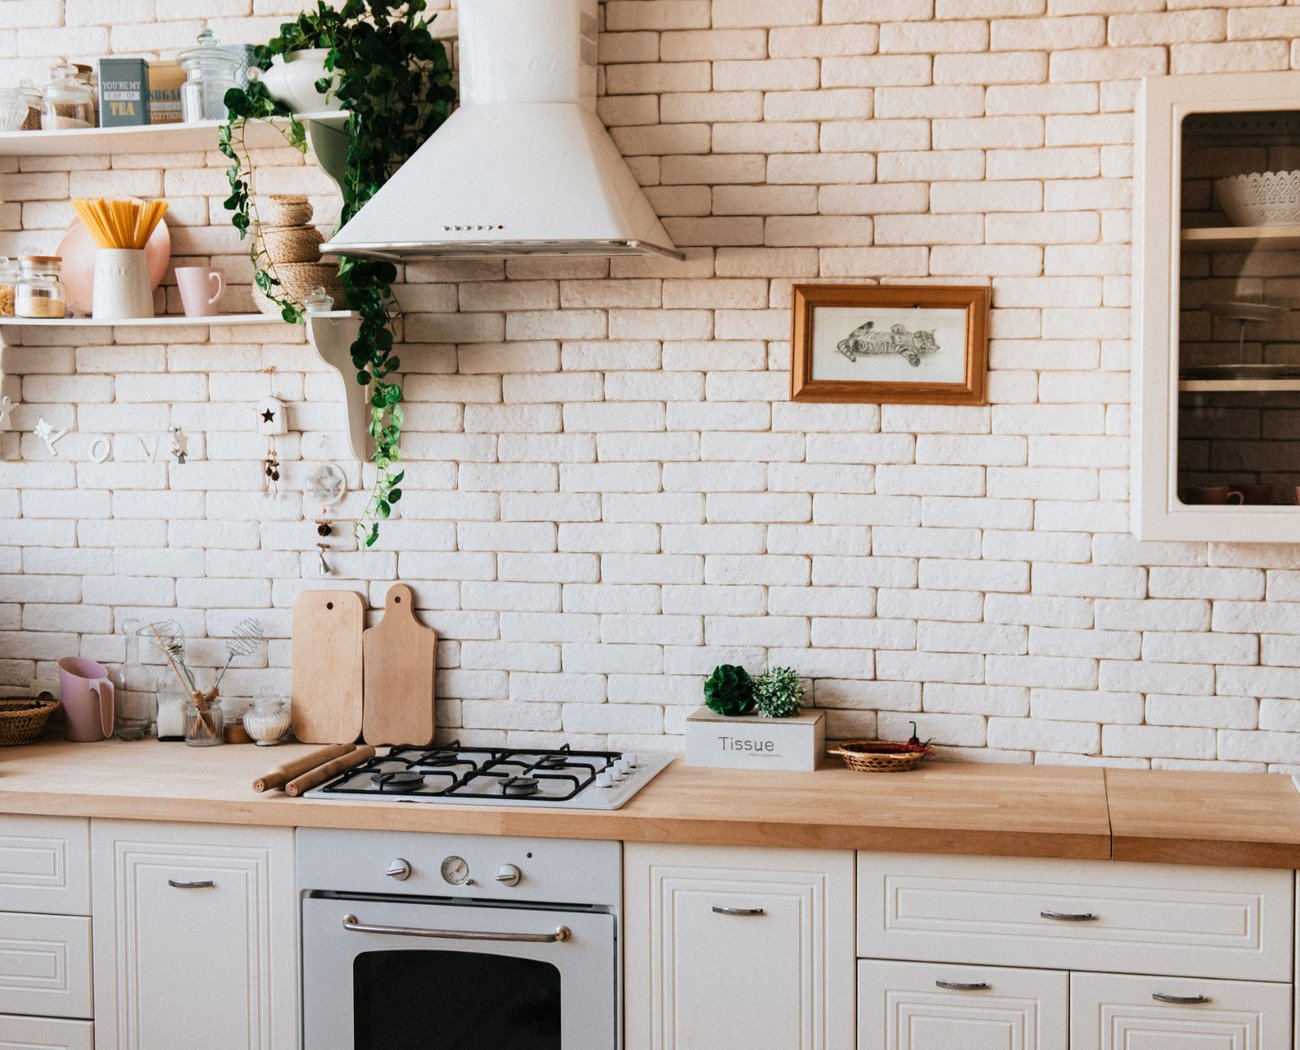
x=459, y=942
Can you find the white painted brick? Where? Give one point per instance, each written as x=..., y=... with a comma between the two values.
x=1089, y=705
x=1144, y=741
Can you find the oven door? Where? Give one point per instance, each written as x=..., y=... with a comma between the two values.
x=413, y=974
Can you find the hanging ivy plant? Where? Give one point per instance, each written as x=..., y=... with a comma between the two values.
x=394, y=79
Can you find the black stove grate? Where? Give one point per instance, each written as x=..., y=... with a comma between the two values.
x=517, y=775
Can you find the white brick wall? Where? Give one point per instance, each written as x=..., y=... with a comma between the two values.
x=607, y=491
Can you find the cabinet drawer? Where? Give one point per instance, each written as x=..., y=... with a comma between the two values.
x=45, y=965
x=45, y=865
x=930, y=1006
x=1121, y=918
x=1123, y=1013
x=44, y=1033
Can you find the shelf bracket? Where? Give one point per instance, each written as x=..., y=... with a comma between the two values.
x=329, y=144
x=331, y=335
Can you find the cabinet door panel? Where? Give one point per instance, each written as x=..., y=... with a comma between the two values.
x=738, y=947
x=45, y=865
x=906, y=1006
x=1108, y=1012
x=45, y=964
x=43, y=1033
x=195, y=937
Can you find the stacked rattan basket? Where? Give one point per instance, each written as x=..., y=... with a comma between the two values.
x=290, y=251
x=22, y=719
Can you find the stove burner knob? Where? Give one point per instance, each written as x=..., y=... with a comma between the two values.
x=605, y=779
x=509, y=875
x=629, y=762
x=399, y=870
x=621, y=769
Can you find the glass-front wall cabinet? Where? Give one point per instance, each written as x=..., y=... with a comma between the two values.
x=1217, y=313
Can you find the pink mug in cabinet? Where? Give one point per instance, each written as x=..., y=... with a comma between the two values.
x=87, y=695
x=201, y=289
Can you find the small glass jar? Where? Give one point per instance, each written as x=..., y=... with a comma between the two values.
x=209, y=73
x=39, y=292
x=171, y=708
x=204, y=722
x=267, y=719
x=86, y=74
x=31, y=94
x=67, y=102
x=319, y=302
x=8, y=281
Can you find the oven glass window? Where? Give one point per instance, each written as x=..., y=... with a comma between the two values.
x=414, y=1000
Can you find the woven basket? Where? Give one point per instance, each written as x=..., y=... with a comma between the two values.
x=284, y=209
x=22, y=719
x=296, y=283
x=291, y=244
x=881, y=756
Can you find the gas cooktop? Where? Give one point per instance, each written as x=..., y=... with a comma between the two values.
x=539, y=777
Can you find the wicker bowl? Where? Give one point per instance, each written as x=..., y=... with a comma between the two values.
x=284, y=209
x=881, y=756
x=291, y=244
x=22, y=719
x=296, y=283
x=1262, y=198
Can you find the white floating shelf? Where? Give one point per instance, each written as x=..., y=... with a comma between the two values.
x=168, y=321
x=150, y=138
x=1269, y=238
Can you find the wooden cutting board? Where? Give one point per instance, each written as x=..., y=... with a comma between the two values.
x=399, y=669
x=326, y=653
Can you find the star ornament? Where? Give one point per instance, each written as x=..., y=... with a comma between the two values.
x=49, y=435
x=268, y=416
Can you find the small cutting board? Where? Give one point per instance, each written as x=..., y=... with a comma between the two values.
x=326, y=655
x=399, y=669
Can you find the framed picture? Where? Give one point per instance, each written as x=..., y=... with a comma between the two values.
x=917, y=344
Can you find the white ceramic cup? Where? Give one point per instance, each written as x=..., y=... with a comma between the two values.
x=122, y=288
x=87, y=695
x=201, y=289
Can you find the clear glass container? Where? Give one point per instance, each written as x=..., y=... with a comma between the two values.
x=39, y=292
x=67, y=102
x=319, y=302
x=171, y=708
x=13, y=109
x=31, y=94
x=267, y=719
x=210, y=72
x=86, y=74
x=136, y=692
x=8, y=281
x=204, y=722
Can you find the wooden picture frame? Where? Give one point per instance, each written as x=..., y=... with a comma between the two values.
x=885, y=333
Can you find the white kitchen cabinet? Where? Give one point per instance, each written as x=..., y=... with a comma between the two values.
x=195, y=937
x=1215, y=376
x=44, y=1033
x=45, y=965
x=730, y=946
x=1080, y=915
x=1110, y=1012
x=933, y=1006
x=45, y=865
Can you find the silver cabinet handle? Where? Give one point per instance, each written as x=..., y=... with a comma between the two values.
x=562, y=933
x=719, y=909
x=1183, y=1000
x=961, y=986
x=202, y=884
x=1068, y=916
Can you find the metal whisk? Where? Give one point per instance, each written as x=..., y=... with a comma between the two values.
x=248, y=635
x=168, y=637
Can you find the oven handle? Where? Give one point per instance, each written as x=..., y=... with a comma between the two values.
x=562, y=933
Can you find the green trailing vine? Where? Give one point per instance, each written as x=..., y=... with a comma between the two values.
x=394, y=79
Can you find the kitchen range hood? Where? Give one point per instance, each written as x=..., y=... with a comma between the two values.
x=524, y=166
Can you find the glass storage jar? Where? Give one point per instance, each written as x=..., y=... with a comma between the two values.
x=39, y=292
x=267, y=719
x=86, y=74
x=209, y=73
x=67, y=102
x=32, y=96
x=8, y=280
x=204, y=722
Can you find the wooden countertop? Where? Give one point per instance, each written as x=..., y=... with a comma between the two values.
x=1030, y=811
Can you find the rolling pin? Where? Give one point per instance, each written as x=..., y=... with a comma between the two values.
x=281, y=775
x=321, y=774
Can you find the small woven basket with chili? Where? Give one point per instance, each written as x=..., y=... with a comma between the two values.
x=883, y=756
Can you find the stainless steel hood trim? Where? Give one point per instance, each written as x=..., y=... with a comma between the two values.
x=397, y=251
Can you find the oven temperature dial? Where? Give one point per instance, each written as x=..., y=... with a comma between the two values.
x=399, y=869
x=509, y=875
x=455, y=871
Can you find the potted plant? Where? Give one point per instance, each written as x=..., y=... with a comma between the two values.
x=384, y=67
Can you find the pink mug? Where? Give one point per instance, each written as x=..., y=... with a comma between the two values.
x=198, y=294
x=87, y=694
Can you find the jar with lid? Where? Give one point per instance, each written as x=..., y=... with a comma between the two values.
x=8, y=279
x=39, y=292
x=86, y=74
x=209, y=73
x=68, y=102
x=267, y=719
x=31, y=94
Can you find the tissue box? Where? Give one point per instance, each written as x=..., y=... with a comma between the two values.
x=751, y=742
